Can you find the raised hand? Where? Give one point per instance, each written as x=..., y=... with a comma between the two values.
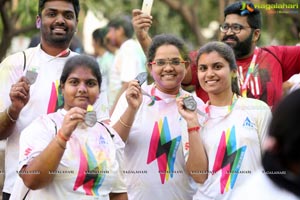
x=134, y=95
x=190, y=116
x=72, y=118
x=19, y=95
x=141, y=23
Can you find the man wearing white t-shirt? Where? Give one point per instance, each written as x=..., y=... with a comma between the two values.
x=24, y=97
x=129, y=61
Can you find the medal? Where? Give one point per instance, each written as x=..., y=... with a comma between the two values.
x=90, y=118
x=31, y=76
x=142, y=77
x=190, y=103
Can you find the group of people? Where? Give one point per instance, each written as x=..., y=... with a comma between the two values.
x=60, y=146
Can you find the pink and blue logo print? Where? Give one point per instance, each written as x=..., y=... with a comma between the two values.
x=229, y=159
x=163, y=149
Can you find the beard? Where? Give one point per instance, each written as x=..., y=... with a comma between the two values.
x=241, y=48
x=60, y=40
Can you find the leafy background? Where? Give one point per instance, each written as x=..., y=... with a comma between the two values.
x=188, y=19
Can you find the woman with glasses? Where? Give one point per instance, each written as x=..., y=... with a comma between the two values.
x=155, y=164
x=267, y=67
x=233, y=129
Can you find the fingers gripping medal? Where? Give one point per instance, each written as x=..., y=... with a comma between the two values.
x=191, y=104
x=90, y=118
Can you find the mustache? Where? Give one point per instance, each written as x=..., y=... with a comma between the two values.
x=231, y=37
x=59, y=24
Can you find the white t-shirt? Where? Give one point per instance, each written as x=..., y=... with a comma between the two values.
x=154, y=162
x=260, y=187
x=89, y=166
x=233, y=143
x=105, y=62
x=130, y=60
x=43, y=98
x=295, y=80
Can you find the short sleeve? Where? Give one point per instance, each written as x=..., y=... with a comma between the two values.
x=264, y=116
x=119, y=109
x=120, y=183
x=35, y=138
x=10, y=72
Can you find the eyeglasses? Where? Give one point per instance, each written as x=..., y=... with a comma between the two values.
x=163, y=62
x=236, y=28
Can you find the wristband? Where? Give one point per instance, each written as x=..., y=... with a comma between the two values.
x=195, y=128
x=61, y=136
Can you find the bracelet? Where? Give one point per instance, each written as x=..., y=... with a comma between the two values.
x=61, y=136
x=196, y=128
x=62, y=146
x=124, y=124
x=10, y=117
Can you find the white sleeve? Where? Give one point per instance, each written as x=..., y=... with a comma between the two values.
x=120, y=184
x=11, y=70
x=35, y=138
x=119, y=109
x=264, y=116
x=133, y=62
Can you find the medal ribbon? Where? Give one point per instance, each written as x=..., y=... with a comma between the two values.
x=156, y=98
x=230, y=107
x=61, y=54
x=249, y=73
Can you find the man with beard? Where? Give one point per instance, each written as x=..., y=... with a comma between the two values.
x=261, y=71
x=28, y=79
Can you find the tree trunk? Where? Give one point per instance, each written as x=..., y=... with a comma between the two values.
x=6, y=36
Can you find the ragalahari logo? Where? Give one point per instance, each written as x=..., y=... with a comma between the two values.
x=246, y=8
x=280, y=8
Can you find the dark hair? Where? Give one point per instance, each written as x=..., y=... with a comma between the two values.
x=227, y=53
x=285, y=128
x=125, y=23
x=167, y=39
x=81, y=61
x=99, y=35
x=245, y=8
x=74, y=2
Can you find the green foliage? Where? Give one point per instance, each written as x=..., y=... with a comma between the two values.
x=27, y=11
x=165, y=20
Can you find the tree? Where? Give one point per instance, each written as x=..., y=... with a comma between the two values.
x=184, y=18
x=13, y=14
